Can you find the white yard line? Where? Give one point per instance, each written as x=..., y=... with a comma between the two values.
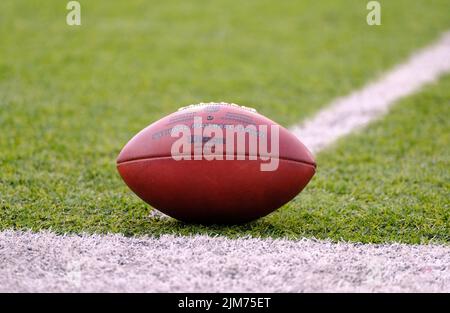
x=46, y=262
x=347, y=114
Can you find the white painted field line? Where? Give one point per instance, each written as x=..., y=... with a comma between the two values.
x=354, y=111
x=44, y=261
x=47, y=262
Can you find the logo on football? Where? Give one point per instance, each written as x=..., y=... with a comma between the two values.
x=226, y=142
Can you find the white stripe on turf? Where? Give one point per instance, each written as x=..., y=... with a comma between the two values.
x=46, y=262
x=349, y=113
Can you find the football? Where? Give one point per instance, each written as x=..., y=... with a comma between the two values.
x=215, y=163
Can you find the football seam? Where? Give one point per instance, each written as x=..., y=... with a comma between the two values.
x=225, y=155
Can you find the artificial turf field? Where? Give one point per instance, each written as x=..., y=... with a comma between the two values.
x=70, y=98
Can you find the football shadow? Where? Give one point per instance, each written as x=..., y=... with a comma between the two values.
x=161, y=224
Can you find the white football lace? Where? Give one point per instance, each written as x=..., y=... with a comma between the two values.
x=216, y=103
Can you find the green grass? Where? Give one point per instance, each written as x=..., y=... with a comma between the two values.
x=71, y=97
x=388, y=183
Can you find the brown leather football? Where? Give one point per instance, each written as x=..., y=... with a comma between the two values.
x=215, y=163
